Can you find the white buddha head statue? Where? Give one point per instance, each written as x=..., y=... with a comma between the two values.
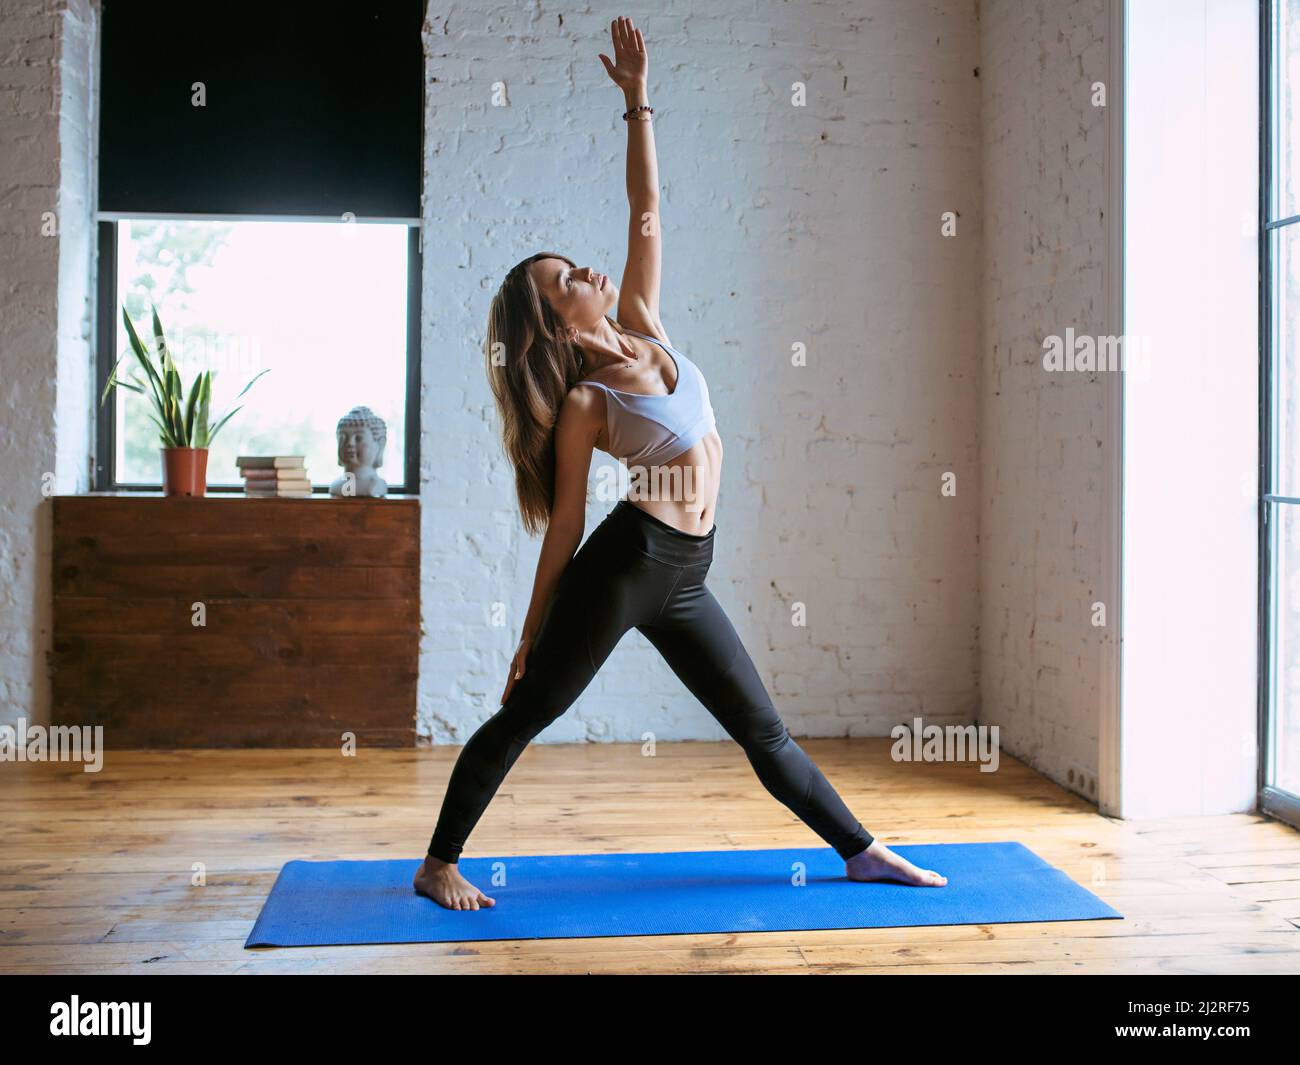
x=362, y=435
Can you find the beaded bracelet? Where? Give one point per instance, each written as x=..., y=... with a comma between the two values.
x=633, y=111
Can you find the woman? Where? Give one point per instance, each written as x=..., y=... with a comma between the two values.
x=566, y=379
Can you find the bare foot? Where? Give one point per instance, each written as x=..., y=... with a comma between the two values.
x=443, y=883
x=878, y=862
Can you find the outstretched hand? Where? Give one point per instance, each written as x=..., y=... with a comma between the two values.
x=629, y=70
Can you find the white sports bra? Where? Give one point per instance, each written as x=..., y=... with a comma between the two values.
x=650, y=430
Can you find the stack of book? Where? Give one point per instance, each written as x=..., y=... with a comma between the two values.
x=274, y=475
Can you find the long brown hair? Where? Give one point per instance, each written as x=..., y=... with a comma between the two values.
x=531, y=365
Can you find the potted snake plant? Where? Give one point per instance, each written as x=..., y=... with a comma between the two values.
x=184, y=430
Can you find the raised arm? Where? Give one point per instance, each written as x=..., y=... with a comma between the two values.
x=638, y=303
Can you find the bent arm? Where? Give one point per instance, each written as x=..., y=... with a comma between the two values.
x=576, y=429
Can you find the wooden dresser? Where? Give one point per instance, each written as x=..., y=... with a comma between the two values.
x=226, y=621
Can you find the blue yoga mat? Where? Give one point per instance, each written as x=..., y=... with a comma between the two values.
x=574, y=896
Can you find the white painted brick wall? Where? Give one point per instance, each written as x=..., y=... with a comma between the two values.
x=78, y=72
x=1043, y=518
x=818, y=225
x=46, y=89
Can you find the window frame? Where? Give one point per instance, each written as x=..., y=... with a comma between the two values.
x=1272, y=800
x=104, y=469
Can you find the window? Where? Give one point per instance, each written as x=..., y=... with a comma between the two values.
x=263, y=190
x=328, y=308
x=1280, y=422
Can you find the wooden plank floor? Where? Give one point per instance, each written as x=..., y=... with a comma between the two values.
x=97, y=868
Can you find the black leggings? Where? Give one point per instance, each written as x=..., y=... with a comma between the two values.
x=637, y=571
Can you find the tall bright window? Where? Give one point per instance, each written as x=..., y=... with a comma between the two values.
x=262, y=186
x=1280, y=302
x=321, y=305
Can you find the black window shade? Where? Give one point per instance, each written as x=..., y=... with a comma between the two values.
x=311, y=109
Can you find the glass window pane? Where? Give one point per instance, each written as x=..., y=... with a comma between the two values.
x=321, y=304
x=1285, y=327
x=1285, y=727
x=1285, y=119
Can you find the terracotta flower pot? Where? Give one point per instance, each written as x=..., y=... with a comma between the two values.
x=185, y=471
